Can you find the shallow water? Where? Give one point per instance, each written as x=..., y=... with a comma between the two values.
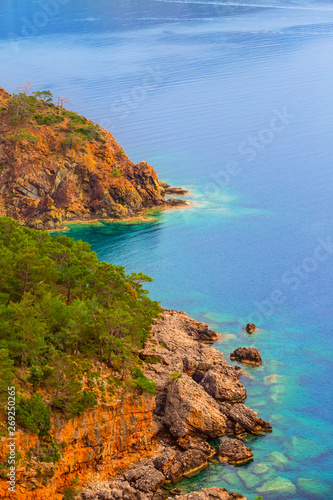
x=232, y=100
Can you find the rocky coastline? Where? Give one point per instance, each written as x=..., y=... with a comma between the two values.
x=197, y=400
x=56, y=167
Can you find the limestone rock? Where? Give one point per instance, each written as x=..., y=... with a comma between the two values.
x=189, y=409
x=223, y=387
x=242, y=419
x=234, y=452
x=213, y=493
x=145, y=477
x=249, y=355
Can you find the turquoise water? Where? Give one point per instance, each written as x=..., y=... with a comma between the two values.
x=232, y=100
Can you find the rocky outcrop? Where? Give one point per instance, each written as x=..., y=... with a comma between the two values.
x=175, y=463
x=190, y=410
x=223, y=387
x=167, y=189
x=58, y=167
x=170, y=428
x=120, y=489
x=241, y=419
x=250, y=328
x=249, y=355
x=213, y=493
x=192, y=379
x=234, y=452
x=145, y=477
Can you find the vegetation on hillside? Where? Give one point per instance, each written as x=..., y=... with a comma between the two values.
x=29, y=111
x=63, y=315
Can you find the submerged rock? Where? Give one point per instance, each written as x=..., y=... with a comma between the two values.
x=249, y=355
x=261, y=468
x=234, y=452
x=303, y=449
x=250, y=480
x=278, y=459
x=279, y=485
x=313, y=487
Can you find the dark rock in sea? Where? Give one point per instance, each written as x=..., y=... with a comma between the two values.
x=176, y=491
x=250, y=328
x=249, y=355
x=234, y=452
x=241, y=419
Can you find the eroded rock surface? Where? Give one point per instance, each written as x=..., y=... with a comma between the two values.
x=241, y=419
x=234, y=452
x=223, y=387
x=213, y=493
x=250, y=328
x=195, y=385
x=49, y=177
x=249, y=355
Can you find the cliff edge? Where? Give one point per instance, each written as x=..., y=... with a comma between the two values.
x=57, y=166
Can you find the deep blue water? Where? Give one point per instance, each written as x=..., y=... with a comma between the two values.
x=234, y=101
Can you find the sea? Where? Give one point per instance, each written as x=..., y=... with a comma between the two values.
x=233, y=101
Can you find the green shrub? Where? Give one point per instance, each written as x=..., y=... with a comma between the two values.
x=33, y=415
x=21, y=135
x=21, y=107
x=174, y=376
x=141, y=382
x=87, y=400
x=90, y=132
x=74, y=117
x=116, y=173
x=48, y=119
x=152, y=360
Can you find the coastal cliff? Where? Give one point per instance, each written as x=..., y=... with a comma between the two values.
x=56, y=166
x=197, y=398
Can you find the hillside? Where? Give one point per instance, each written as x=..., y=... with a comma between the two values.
x=57, y=166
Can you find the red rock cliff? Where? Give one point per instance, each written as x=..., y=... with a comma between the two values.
x=56, y=166
x=93, y=446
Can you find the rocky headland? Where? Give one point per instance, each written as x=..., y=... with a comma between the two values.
x=126, y=449
x=197, y=400
x=56, y=167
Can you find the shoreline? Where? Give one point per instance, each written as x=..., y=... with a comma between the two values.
x=197, y=400
x=140, y=217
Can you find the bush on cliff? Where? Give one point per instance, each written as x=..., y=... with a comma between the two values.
x=33, y=415
x=59, y=308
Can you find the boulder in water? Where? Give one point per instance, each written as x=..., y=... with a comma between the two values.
x=250, y=328
x=249, y=355
x=234, y=452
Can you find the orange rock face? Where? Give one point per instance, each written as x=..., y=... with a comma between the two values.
x=93, y=446
x=56, y=166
